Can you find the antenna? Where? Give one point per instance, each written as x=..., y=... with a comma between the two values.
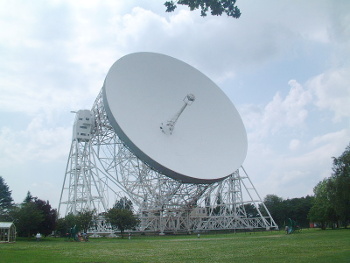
x=169, y=125
x=180, y=180
x=210, y=141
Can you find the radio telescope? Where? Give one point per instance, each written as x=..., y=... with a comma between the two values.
x=163, y=134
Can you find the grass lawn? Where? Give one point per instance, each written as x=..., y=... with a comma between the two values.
x=308, y=246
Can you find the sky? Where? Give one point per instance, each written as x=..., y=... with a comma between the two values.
x=285, y=65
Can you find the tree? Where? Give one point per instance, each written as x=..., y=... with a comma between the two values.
x=64, y=225
x=275, y=206
x=216, y=7
x=6, y=201
x=121, y=219
x=27, y=218
x=332, y=195
x=281, y=210
x=29, y=198
x=339, y=186
x=85, y=219
x=50, y=216
x=82, y=222
x=298, y=209
x=219, y=208
x=34, y=215
x=123, y=203
x=322, y=211
x=251, y=210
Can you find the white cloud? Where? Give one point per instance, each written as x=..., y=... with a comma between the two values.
x=339, y=27
x=332, y=92
x=294, y=174
x=280, y=113
x=294, y=144
x=281, y=158
x=289, y=112
x=37, y=142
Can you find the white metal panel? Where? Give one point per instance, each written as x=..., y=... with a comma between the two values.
x=82, y=125
x=142, y=90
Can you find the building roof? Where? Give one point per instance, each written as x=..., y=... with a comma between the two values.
x=5, y=224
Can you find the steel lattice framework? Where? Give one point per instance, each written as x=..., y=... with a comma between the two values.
x=104, y=164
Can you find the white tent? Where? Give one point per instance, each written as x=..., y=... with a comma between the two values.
x=7, y=232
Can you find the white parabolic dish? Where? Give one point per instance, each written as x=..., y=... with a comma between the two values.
x=144, y=90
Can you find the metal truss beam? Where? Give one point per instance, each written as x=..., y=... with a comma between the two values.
x=163, y=204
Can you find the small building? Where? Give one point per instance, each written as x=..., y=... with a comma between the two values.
x=7, y=232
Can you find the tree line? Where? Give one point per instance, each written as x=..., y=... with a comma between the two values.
x=34, y=215
x=332, y=195
x=120, y=216
x=328, y=207
x=296, y=209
